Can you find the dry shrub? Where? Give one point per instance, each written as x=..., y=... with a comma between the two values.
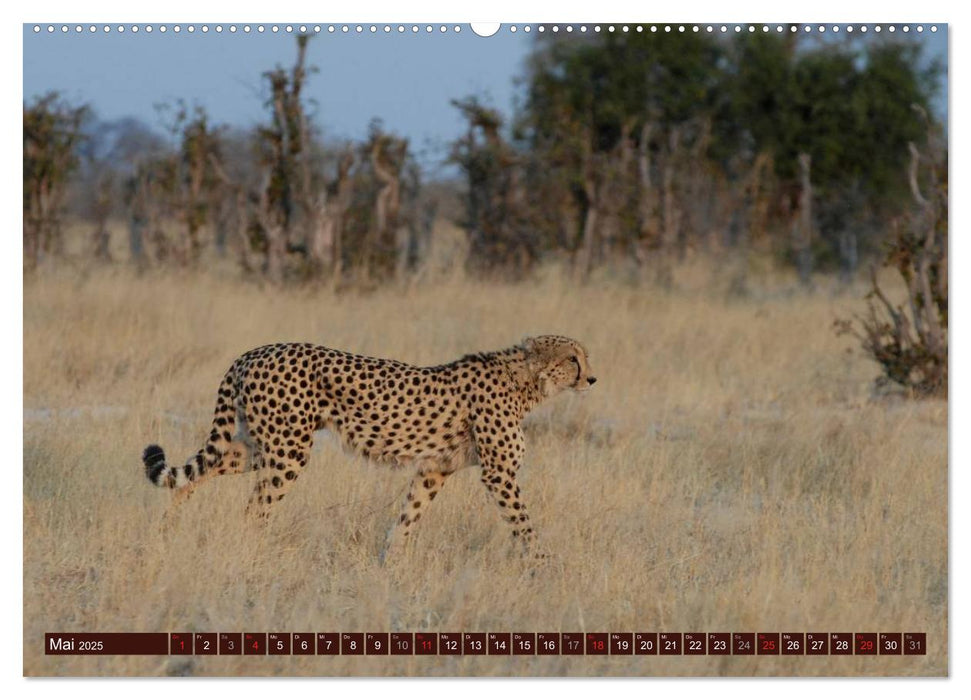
x=909, y=340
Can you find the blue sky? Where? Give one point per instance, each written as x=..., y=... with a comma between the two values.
x=404, y=79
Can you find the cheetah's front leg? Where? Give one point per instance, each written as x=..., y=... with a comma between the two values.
x=501, y=452
x=501, y=483
x=424, y=487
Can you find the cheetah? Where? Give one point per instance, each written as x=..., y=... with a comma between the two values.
x=435, y=419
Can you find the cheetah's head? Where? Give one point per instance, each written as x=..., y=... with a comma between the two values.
x=558, y=363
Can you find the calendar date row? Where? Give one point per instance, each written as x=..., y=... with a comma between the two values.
x=491, y=643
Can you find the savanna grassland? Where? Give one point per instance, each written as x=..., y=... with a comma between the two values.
x=732, y=470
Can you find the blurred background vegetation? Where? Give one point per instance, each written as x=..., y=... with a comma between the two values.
x=629, y=153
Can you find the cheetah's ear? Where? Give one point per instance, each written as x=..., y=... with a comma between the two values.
x=538, y=359
x=534, y=355
x=535, y=352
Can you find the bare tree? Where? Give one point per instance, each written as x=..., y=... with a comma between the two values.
x=387, y=157
x=101, y=208
x=299, y=211
x=52, y=134
x=172, y=193
x=496, y=204
x=802, y=225
x=325, y=245
x=648, y=216
x=909, y=340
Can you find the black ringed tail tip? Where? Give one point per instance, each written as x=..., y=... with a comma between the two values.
x=154, y=460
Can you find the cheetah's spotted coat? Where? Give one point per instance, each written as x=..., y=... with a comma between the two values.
x=437, y=419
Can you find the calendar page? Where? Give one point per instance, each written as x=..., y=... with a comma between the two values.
x=520, y=349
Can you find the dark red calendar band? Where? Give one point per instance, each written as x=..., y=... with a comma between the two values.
x=488, y=643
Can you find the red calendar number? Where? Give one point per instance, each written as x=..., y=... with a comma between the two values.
x=426, y=643
x=767, y=643
x=866, y=643
x=596, y=643
x=180, y=643
x=254, y=643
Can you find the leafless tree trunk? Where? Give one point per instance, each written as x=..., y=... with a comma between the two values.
x=697, y=204
x=42, y=223
x=281, y=229
x=647, y=205
x=194, y=177
x=276, y=237
x=145, y=199
x=849, y=254
x=923, y=298
x=616, y=195
x=758, y=201
x=239, y=217
x=325, y=246
x=38, y=228
x=671, y=212
x=247, y=255
x=387, y=160
x=101, y=238
x=802, y=229
x=388, y=201
x=589, y=235
x=591, y=221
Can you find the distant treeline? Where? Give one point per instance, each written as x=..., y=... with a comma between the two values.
x=284, y=205
x=648, y=145
x=635, y=147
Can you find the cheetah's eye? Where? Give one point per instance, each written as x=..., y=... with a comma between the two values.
x=576, y=361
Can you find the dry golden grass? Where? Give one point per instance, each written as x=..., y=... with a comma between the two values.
x=730, y=471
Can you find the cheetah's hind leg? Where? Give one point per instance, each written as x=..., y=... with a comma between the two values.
x=424, y=487
x=276, y=478
x=236, y=460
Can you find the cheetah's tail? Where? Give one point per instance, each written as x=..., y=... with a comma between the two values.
x=154, y=459
x=223, y=424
